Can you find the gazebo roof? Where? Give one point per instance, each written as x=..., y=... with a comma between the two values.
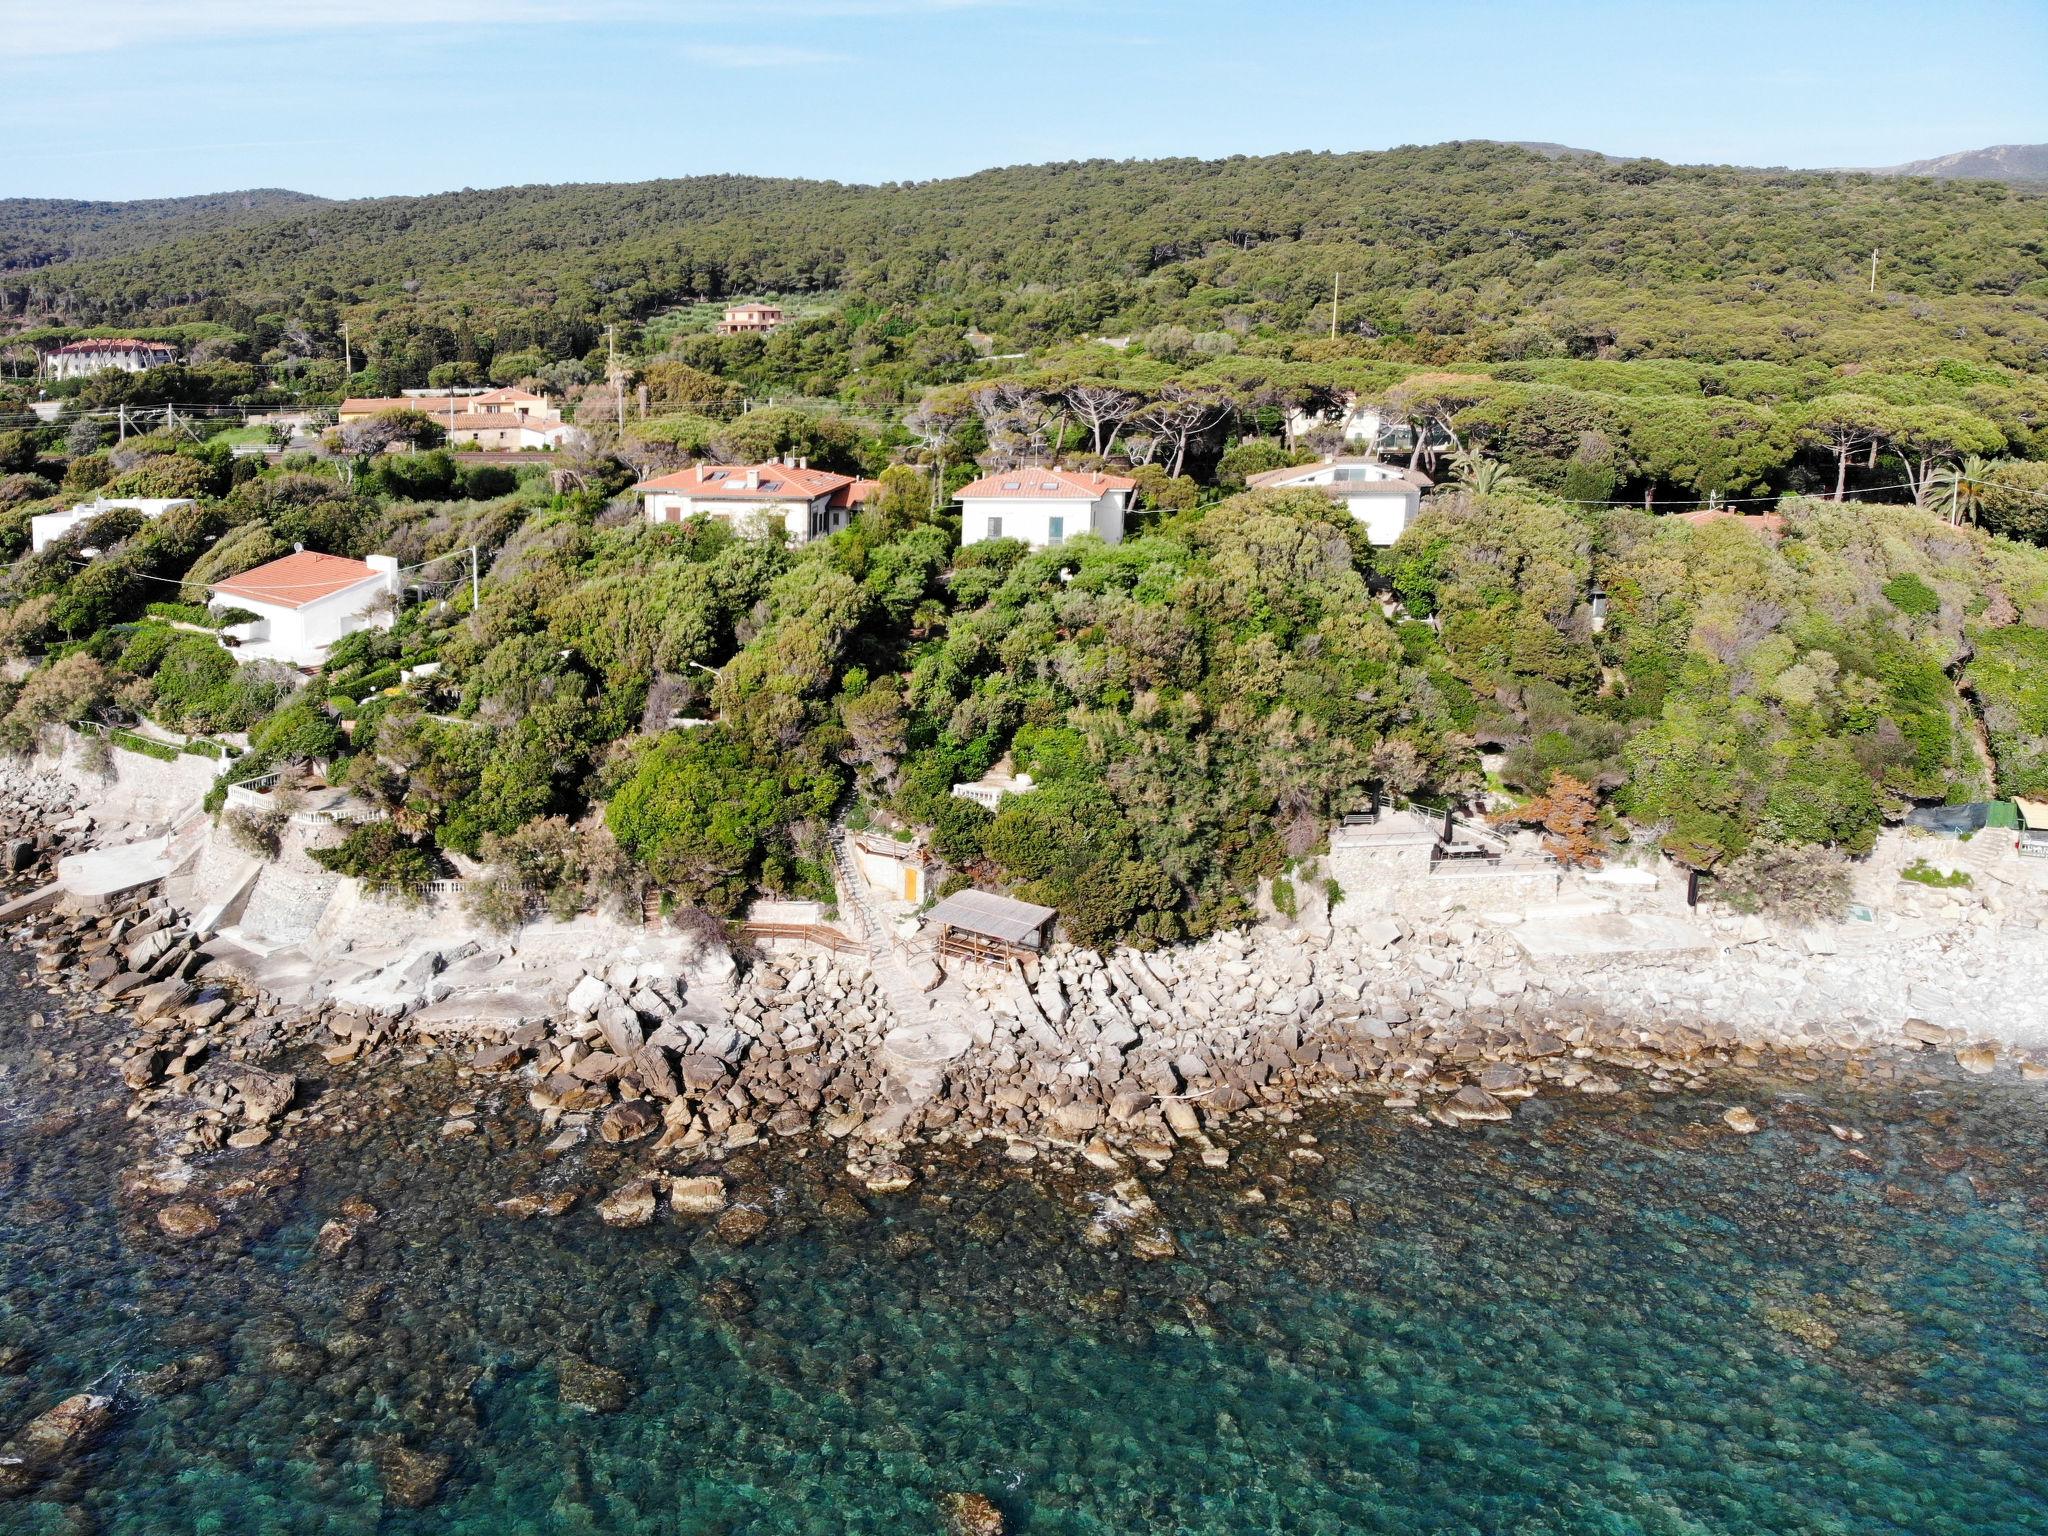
x=992, y=916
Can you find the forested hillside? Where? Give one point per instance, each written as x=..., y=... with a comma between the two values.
x=1474, y=250
x=39, y=232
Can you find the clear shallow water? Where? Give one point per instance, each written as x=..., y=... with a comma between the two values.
x=1601, y=1317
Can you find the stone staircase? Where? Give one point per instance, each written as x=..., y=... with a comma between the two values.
x=925, y=1039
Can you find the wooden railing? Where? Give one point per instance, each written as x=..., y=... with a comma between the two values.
x=808, y=933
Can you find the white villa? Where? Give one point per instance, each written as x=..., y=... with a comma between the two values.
x=1044, y=507
x=305, y=602
x=806, y=503
x=1359, y=423
x=1384, y=497
x=45, y=528
x=80, y=359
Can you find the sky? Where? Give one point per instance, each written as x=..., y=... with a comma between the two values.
x=111, y=99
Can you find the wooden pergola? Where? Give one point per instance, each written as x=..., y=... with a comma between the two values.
x=991, y=929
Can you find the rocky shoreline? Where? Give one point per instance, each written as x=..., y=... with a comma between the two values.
x=1126, y=1061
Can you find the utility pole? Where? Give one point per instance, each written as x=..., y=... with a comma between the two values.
x=611, y=341
x=1873, y=269
x=348, y=361
x=1336, y=282
x=122, y=436
x=475, y=600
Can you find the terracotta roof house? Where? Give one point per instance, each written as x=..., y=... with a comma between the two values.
x=305, y=602
x=1384, y=497
x=79, y=359
x=750, y=320
x=806, y=503
x=1044, y=507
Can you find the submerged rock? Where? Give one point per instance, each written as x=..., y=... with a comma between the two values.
x=187, y=1219
x=971, y=1514
x=594, y=1388
x=1740, y=1120
x=412, y=1479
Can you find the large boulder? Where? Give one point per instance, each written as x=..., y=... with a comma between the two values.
x=630, y=1205
x=628, y=1122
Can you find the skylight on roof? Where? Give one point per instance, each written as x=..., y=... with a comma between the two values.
x=1050, y=485
x=1012, y=485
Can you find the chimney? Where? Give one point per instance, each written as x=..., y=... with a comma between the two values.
x=753, y=479
x=803, y=463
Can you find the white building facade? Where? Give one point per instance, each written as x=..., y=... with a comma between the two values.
x=804, y=503
x=305, y=602
x=82, y=359
x=1045, y=507
x=1384, y=497
x=45, y=528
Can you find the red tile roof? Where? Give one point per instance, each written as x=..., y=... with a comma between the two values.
x=776, y=482
x=296, y=580
x=1043, y=485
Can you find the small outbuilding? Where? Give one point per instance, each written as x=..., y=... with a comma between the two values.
x=2033, y=828
x=894, y=869
x=992, y=929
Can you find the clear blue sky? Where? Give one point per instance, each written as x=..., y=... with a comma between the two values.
x=350, y=98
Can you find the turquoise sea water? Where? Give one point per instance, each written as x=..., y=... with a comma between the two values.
x=1608, y=1316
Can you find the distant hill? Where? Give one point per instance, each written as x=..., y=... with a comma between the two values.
x=2001, y=162
x=1551, y=151
x=41, y=231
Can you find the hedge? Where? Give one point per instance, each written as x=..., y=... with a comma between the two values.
x=162, y=751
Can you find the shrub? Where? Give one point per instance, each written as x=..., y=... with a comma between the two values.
x=1909, y=594
x=384, y=858
x=1920, y=872
x=257, y=832
x=1800, y=883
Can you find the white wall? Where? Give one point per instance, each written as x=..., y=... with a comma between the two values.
x=679, y=506
x=1385, y=517
x=1031, y=520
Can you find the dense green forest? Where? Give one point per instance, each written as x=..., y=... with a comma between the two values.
x=1572, y=348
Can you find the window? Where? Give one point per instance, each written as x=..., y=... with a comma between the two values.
x=995, y=527
x=1055, y=530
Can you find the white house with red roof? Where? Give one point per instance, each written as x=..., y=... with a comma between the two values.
x=98, y=354
x=1384, y=497
x=805, y=503
x=305, y=602
x=1044, y=507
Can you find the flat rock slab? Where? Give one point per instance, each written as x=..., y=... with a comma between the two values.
x=1554, y=936
x=916, y=1046
x=102, y=872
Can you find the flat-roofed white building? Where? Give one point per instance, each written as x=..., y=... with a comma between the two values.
x=46, y=528
x=1045, y=507
x=1384, y=497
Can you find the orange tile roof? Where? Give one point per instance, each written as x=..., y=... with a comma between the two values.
x=296, y=580
x=777, y=482
x=1034, y=484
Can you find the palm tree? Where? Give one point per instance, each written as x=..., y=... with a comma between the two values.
x=1483, y=476
x=1960, y=489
